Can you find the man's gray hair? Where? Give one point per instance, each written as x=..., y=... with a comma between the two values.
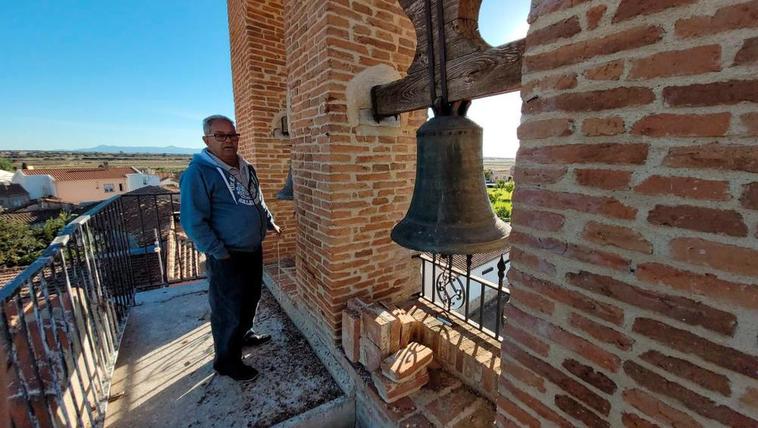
x=208, y=122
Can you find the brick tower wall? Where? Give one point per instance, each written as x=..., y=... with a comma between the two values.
x=259, y=77
x=635, y=260
x=351, y=186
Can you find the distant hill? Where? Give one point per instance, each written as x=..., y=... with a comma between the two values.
x=171, y=150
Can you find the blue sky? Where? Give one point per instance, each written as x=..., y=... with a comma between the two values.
x=79, y=74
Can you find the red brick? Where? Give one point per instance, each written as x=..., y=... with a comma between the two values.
x=594, y=15
x=712, y=94
x=576, y=300
x=558, y=378
x=601, y=332
x=568, y=340
x=527, y=340
x=629, y=9
x=603, y=126
x=534, y=404
x=536, y=263
x=714, y=156
x=706, y=286
x=524, y=375
x=517, y=413
x=576, y=410
x=608, y=153
x=540, y=220
x=599, y=100
x=683, y=125
x=608, y=71
x=590, y=375
x=725, y=257
x=553, y=32
x=679, y=308
x=540, y=129
x=604, y=178
x=407, y=362
x=450, y=405
x=371, y=356
x=574, y=251
x=688, y=343
x=391, y=391
x=630, y=420
x=689, y=371
x=750, y=397
x=544, y=7
x=732, y=17
x=601, y=205
x=557, y=82
x=380, y=327
x=698, y=60
x=525, y=176
x=749, y=198
x=750, y=122
x=351, y=333
x=657, y=409
x=581, y=51
x=701, y=219
x=617, y=236
x=686, y=187
x=748, y=54
x=699, y=404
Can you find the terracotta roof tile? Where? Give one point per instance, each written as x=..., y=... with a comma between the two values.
x=72, y=174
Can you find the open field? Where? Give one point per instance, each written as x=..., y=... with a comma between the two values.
x=64, y=159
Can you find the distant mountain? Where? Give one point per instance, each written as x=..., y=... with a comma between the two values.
x=171, y=150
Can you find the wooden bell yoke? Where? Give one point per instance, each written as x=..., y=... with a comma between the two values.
x=450, y=212
x=458, y=65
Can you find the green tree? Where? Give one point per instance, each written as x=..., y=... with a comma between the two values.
x=20, y=244
x=500, y=198
x=6, y=164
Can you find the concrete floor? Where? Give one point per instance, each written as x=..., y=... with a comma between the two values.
x=163, y=377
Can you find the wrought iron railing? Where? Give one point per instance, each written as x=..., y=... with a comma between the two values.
x=474, y=293
x=61, y=321
x=62, y=318
x=160, y=250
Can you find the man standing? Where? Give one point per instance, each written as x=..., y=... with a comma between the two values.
x=223, y=212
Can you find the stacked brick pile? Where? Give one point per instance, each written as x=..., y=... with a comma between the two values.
x=381, y=337
x=635, y=258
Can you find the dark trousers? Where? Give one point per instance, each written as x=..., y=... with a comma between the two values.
x=233, y=292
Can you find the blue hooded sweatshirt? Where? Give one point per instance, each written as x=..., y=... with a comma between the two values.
x=218, y=213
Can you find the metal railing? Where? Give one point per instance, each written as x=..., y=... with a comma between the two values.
x=61, y=321
x=464, y=291
x=160, y=250
x=62, y=318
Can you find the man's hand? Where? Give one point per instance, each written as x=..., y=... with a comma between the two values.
x=277, y=229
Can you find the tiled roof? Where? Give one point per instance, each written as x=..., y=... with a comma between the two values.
x=31, y=217
x=72, y=174
x=12, y=189
x=7, y=274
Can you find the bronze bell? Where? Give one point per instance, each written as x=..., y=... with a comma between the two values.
x=286, y=193
x=450, y=212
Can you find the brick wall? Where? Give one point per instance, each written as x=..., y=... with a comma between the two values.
x=256, y=29
x=350, y=187
x=637, y=192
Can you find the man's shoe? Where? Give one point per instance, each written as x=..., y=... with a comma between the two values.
x=239, y=372
x=254, y=339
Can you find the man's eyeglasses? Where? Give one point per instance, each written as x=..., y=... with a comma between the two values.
x=222, y=137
